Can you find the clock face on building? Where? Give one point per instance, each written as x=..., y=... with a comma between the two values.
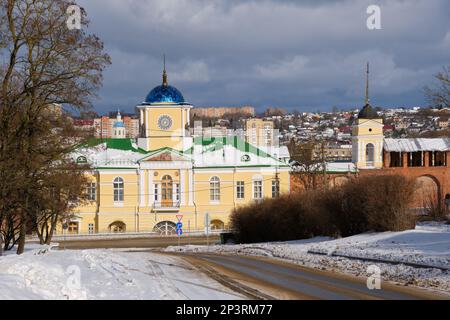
x=164, y=122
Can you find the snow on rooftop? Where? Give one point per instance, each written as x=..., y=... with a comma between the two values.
x=215, y=154
x=276, y=151
x=228, y=155
x=102, y=156
x=418, y=144
x=341, y=167
x=330, y=167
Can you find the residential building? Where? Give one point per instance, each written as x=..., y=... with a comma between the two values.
x=260, y=132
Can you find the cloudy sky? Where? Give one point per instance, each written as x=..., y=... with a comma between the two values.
x=306, y=55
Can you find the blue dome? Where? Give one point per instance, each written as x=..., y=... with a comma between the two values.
x=118, y=125
x=165, y=94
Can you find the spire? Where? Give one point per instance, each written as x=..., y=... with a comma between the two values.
x=367, y=84
x=165, y=83
x=367, y=112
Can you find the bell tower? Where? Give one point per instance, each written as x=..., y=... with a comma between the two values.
x=367, y=136
x=164, y=118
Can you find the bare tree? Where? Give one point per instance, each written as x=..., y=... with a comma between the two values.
x=309, y=163
x=47, y=64
x=439, y=94
x=61, y=193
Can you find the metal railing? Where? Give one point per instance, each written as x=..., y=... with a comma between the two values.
x=166, y=205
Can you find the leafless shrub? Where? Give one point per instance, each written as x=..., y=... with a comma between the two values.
x=372, y=203
x=434, y=208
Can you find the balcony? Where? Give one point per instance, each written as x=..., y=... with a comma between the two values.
x=166, y=206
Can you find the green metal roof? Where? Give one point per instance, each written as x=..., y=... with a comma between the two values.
x=119, y=144
x=218, y=143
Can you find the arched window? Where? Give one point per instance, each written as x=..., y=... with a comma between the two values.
x=370, y=154
x=117, y=227
x=165, y=228
x=214, y=189
x=81, y=159
x=118, y=189
x=217, y=224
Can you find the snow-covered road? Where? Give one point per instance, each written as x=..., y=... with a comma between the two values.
x=104, y=274
x=428, y=244
x=281, y=280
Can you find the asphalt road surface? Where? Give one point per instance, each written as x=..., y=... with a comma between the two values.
x=281, y=280
x=144, y=242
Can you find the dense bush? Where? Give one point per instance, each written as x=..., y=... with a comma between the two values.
x=288, y=217
x=371, y=203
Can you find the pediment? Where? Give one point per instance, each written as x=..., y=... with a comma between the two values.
x=165, y=155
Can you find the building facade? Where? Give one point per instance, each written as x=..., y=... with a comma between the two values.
x=219, y=112
x=260, y=132
x=142, y=186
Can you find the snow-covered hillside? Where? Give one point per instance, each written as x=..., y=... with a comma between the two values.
x=103, y=274
x=427, y=245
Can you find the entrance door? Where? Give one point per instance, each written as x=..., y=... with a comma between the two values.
x=166, y=191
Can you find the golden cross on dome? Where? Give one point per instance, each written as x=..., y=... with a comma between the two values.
x=165, y=83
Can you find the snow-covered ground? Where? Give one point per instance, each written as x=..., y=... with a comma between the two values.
x=428, y=244
x=43, y=273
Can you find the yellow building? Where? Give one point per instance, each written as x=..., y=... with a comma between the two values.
x=367, y=136
x=142, y=186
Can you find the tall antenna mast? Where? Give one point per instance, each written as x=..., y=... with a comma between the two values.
x=367, y=84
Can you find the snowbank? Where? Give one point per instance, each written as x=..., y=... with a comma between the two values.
x=428, y=244
x=103, y=274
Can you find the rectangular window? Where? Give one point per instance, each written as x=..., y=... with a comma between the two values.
x=275, y=189
x=437, y=158
x=91, y=191
x=72, y=228
x=177, y=191
x=257, y=189
x=155, y=192
x=396, y=159
x=91, y=228
x=240, y=190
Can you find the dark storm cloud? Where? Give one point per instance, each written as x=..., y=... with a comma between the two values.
x=302, y=54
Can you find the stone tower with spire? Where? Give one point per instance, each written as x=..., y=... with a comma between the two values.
x=367, y=135
x=164, y=117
